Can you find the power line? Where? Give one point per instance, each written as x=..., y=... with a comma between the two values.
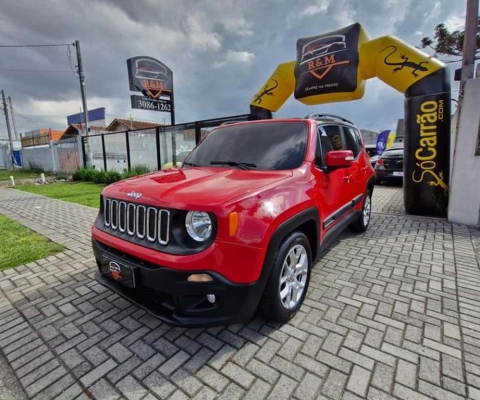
x=34, y=70
x=35, y=45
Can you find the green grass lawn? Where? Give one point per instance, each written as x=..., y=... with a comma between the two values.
x=20, y=245
x=85, y=193
x=18, y=174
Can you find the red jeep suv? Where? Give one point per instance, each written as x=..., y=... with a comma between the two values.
x=238, y=227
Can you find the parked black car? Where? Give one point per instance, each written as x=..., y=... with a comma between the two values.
x=389, y=166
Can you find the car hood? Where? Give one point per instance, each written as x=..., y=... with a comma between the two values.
x=200, y=188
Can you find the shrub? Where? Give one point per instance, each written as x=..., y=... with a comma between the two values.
x=112, y=176
x=77, y=175
x=99, y=177
x=88, y=174
x=140, y=169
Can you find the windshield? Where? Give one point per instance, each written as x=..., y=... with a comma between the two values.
x=262, y=146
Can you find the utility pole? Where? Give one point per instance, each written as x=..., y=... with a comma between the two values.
x=5, y=109
x=13, y=117
x=82, y=87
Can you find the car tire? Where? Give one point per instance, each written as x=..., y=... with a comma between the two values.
x=363, y=221
x=275, y=304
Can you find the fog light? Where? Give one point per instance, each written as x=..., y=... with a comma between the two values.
x=211, y=298
x=200, y=278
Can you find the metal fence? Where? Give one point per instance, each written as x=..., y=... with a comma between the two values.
x=157, y=148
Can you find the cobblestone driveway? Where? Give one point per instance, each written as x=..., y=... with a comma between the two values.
x=392, y=313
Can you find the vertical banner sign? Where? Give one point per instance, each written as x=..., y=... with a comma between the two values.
x=427, y=152
x=382, y=142
x=154, y=80
x=391, y=139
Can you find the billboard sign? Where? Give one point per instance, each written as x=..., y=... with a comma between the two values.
x=154, y=80
x=98, y=114
x=150, y=77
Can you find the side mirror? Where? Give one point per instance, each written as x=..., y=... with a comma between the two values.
x=339, y=158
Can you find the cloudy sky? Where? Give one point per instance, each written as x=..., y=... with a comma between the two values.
x=221, y=52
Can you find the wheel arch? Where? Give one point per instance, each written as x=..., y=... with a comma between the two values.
x=306, y=221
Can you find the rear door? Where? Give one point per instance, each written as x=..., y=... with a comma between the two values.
x=357, y=173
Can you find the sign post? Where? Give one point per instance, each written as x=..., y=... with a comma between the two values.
x=154, y=80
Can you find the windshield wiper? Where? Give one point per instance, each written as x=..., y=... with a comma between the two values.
x=242, y=165
x=190, y=164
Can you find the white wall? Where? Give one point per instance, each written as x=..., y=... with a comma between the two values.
x=464, y=201
x=41, y=156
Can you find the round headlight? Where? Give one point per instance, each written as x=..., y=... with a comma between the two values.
x=198, y=225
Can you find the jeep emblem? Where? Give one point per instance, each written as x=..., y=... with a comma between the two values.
x=134, y=195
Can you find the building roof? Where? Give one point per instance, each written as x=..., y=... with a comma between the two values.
x=131, y=124
x=75, y=129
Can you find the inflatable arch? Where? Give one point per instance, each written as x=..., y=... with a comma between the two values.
x=333, y=67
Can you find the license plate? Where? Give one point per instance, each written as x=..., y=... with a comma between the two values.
x=121, y=273
x=398, y=173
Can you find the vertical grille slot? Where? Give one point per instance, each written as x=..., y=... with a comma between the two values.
x=140, y=223
x=151, y=224
x=122, y=215
x=114, y=214
x=106, y=212
x=163, y=226
x=131, y=219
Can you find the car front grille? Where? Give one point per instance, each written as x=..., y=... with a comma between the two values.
x=143, y=222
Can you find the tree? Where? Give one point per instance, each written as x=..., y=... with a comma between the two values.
x=448, y=43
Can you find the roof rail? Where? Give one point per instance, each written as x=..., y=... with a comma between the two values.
x=229, y=122
x=318, y=116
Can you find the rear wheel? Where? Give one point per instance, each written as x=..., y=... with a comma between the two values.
x=363, y=221
x=289, y=279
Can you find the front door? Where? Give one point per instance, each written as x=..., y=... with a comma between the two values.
x=333, y=189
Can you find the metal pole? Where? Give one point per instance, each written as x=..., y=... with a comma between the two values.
x=13, y=117
x=5, y=109
x=81, y=76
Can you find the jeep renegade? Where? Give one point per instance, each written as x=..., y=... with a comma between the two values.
x=239, y=225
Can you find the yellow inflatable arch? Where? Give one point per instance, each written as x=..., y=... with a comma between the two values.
x=334, y=67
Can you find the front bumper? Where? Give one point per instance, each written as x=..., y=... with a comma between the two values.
x=166, y=293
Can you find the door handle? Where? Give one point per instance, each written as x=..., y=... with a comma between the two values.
x=364, y=169
x=347, y=178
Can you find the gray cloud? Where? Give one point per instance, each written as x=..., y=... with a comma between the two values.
x=220, y=52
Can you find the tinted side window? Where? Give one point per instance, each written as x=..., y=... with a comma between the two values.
x=319, y=159
x=334, y=135
x=351, y=141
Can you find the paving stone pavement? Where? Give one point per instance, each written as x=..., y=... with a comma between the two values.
x=390, y=314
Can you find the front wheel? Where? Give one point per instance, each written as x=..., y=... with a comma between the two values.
x=289, y=279
x=363, y=221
